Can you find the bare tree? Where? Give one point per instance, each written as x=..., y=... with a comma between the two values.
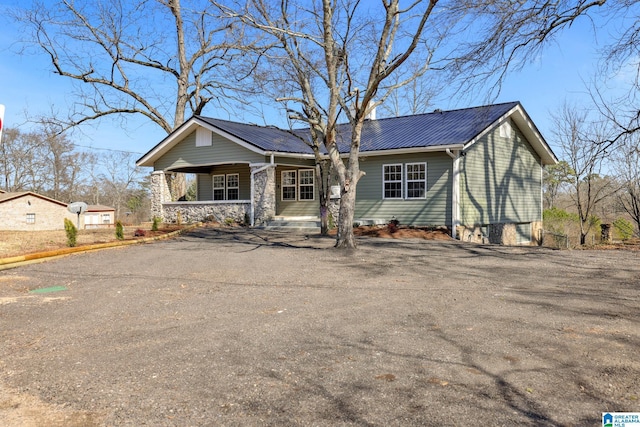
x=339, y=60
x=44, y=162
x=620, y=64
x=627, y=167
x=18, y=151
x=581, y=142
x=160, y=59
x=119, y=179
x=555, y=178
x=413, y=98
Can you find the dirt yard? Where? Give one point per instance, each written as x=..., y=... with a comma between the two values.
x=246, y=327
x=13, y=243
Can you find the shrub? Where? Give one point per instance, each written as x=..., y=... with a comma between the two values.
x=624, y=228
x=139, y=233
x=393, y=225
x=155, y=223
x=229, y=221
x=72, y=232
x=119, y=230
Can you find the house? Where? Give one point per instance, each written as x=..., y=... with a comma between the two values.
x=98, y=216
x=28, y=211
x=477, y=171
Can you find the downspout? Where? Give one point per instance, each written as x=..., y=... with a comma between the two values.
x=253, y=191
x=455, y=192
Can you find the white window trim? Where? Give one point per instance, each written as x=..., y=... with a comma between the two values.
x=295, y=186
x=313, y=185
x=30, y=215
x=214, y=188
x=384, y=181
x=406, y=180
x=227, y=187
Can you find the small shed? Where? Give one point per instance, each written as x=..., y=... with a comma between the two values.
x=99, y=216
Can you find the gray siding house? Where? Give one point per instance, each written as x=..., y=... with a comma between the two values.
x=477, y=171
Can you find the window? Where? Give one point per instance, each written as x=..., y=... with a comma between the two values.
x=288, y=185
x=392, y=181
x=31, y=218
x=298, y=185
x=106, y=218
x=226, y=187
x=218, y=187
x=233, y=186
x=416, y=180
x=307, y=184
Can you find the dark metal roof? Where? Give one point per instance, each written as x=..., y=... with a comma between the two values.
x=267, y=138
x=439, y=128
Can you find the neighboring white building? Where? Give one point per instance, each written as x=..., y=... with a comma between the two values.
x=98, y=216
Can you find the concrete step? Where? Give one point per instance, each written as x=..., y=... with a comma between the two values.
x=297, y=224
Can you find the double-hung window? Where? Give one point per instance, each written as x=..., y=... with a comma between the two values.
x=416, y=180
x=233, y=186
x=307, y=184
x=392, y=181
x=226, y=187
x=218, y=187
x=289, y=183
x=404, y=181
x=31, y=218
x=298, y=185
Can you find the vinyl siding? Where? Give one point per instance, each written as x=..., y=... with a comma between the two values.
x=299, y=207
x=205, y=186
x=205, y=181
x=221, y=150
x=435, y=209
x=500, y=181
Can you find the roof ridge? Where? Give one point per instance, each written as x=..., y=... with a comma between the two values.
x=240, y=123
x=439, y=111
x=436, y=111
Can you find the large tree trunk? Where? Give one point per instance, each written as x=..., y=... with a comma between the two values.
x=323, y=175
x=346, y=238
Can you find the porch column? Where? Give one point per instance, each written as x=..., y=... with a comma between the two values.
x=263, y=193
x=159, y=193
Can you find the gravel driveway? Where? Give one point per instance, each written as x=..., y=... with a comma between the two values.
x=233, y=327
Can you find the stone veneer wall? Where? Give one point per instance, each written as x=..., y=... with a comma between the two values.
x=501, y=233
x=264, y=194
x=187, y=212
x=159, y=194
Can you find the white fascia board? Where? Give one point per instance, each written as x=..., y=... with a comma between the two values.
x=412, y=150
x=526, y=125
x=528, y=128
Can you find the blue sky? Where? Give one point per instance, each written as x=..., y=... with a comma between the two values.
x=559, y=73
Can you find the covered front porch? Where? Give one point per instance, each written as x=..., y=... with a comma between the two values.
x=249, y=193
